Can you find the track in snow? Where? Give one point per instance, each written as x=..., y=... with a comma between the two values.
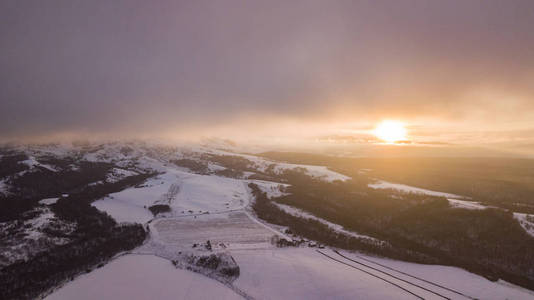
x=371, y=274
x=403, y=273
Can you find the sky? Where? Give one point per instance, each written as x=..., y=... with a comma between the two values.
x=454, y=72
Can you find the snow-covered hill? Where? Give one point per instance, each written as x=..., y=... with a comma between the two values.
x=196, y=209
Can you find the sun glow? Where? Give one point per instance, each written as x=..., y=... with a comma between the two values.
x=390, y=131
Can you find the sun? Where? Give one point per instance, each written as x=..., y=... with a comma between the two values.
x=390, y=131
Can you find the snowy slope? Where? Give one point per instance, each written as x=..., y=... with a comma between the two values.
x=3, y=187
x=272, y=189
x=23, y=242
x=32, y=163
x=261, y=164
x=132, y=277
x=380, y=184
x=48, y=201
x=466, y=204
x=452, y=282
x=190, y=193
x=209, y=193
x=304, y=273
x=184, y=191
x=526, y=221
x=335, y=227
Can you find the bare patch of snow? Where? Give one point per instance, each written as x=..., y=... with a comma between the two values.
x=338, y=228
x=380, y=184
x=4, y=187
x=48, y=201
x=526, y=221
x=272, y=189
x=32, y=163
x=364, y=171
x=22, y=241
x=117, y=174
x=319, y=172
x=262, y=165
x=466, y=204
x=215, y=167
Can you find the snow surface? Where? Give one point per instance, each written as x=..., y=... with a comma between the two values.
x=303, y=273
x=227, y=230
x=142, y=277
x=195, y=194
x=320, y=172
x=3, y=187
x=209, y=193
x=380, y=184
x=453, y=199
x=23, y=242
x=48, y=201
x=527, y=224
x=466, y=204
x=262, y=164
x=32, y=163
x=117, y=174
x=272, y=189
x=451, y=277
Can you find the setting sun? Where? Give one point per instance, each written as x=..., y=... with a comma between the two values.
x=390, y=131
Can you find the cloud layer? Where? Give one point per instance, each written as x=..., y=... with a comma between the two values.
x=158, y=68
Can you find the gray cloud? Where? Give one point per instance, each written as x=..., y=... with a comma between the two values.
x=111, y=66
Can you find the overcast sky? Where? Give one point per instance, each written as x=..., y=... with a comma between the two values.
x=270, y=67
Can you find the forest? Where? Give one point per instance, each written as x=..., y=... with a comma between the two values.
x=416, y=227
x=503, y=182
x=96, y=239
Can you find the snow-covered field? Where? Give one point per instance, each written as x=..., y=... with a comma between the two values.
x=225, y=231
x=210, y=193
x=304, y=273
x=444, y=280
x=186, y=194
x=142, y=277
